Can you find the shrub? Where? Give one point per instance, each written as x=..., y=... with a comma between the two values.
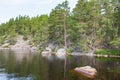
x=25, y=38
x=115, y=42
x=108, y=52
x=12, y=41
x=68, y=50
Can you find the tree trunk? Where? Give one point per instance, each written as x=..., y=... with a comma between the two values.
x=65, y=38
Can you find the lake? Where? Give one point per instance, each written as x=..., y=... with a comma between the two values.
x=31, y=66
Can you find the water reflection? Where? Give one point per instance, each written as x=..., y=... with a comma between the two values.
x=28, y=66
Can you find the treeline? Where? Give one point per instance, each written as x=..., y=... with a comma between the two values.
x=91, y=24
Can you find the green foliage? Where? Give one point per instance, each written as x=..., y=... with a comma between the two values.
x=1, y=40
x=35, y=27
x=115, y=42
x=108, y=52
x=57, y=20
x=25, y=38
x=68, y=50
x=12, y=41
x=94, y=22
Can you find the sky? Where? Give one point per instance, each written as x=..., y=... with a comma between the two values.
x=13, y=8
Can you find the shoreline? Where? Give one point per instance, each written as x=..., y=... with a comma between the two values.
x=19, y=50
x=96, y=55
x=69, y=54
x=19, y=46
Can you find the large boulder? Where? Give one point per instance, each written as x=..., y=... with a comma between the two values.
x=86, y=71
x=51, y=46
x=6, y=45
x=61, y=53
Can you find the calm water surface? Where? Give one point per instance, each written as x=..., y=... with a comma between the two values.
x=29, y=66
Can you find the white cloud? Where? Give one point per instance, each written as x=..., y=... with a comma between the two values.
x=36, y=2
x=12, y=8
x=44, y=1
x=20, y=2
x=12, y=2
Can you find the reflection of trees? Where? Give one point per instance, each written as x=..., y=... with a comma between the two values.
x=35, y=67
x=108, y=68
x=56, y=69
x=32, y=65
x=38, y=67
x=42, y=69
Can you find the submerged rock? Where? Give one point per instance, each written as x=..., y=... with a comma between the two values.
x=86, y=71
x=45, y=54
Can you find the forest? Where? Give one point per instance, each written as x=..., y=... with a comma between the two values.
x=91, y=25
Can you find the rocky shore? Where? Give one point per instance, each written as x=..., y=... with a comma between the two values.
x=20, y=45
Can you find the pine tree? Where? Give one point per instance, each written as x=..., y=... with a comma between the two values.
x=58, y=23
